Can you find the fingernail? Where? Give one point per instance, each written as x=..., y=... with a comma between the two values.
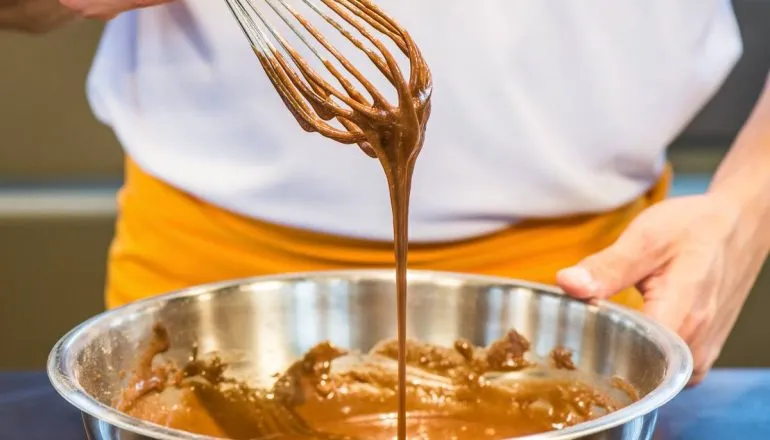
x=578, y=277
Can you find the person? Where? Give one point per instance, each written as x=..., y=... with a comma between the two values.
x=544, y=159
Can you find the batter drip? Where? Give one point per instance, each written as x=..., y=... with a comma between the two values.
x=391, y=133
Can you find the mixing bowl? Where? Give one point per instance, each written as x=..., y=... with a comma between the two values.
x=266, y=323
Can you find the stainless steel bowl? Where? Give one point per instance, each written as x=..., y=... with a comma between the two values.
x=271, y=321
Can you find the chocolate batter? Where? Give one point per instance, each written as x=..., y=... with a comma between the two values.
x=462, y=392
x=393, y=134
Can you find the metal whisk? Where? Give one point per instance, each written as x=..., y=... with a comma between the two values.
x=315, y=102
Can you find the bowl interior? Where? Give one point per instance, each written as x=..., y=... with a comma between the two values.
x=262, y=325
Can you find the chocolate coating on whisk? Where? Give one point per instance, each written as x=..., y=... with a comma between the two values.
x=376, y=125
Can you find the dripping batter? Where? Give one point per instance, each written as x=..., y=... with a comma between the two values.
x=393, y=134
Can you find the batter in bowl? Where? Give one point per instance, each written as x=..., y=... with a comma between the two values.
x=459, y=392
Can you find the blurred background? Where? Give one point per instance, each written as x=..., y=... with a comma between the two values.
x=60, y=169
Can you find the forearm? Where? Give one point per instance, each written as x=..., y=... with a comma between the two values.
x=33, y=16
x=743, y=178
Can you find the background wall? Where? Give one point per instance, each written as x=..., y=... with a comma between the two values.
x=48, y=133
x=59, y=170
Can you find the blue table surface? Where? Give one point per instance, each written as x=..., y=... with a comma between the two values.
x=730, y=404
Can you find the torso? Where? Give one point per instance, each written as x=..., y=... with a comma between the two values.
x=541, y=109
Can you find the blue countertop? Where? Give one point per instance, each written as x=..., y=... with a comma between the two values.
x=730, y=404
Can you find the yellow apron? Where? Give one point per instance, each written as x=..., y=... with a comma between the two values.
x=167, y=240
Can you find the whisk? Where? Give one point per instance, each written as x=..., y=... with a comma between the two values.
x=371, y=122
x=392, y=133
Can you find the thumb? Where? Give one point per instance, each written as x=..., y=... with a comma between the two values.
x=634, y=256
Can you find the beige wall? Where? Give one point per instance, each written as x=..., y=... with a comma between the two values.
x=47, y=128
x=51, y=259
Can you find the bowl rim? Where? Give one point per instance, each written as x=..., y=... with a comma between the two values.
x=676, y=377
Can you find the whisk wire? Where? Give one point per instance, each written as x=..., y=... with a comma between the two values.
x=336, y=53
x=319, y=95
x=281, y=74
x=358, y=102
x=309, y=96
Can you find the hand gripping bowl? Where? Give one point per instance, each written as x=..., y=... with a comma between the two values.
x=274, y=320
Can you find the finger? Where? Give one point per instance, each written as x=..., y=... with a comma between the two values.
x=95, y=9
x=683, y=297
x=662, y=311
x=704, y=356
x=708, y=341
x=106, y=10
x=697, y=325
x=638, y=253
x=697, y=378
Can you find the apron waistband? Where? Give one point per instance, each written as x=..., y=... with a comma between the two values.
x=167, y=240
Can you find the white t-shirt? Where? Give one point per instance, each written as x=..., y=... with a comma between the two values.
x=540, y=108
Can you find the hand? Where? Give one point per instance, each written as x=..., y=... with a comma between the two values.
x=107, y=9
x=694, y=259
